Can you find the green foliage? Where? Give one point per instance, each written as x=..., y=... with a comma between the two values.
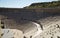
x=45, y=4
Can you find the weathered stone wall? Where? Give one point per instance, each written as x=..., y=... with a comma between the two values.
x=18, y=17
x=29, y=14
x=23, y=16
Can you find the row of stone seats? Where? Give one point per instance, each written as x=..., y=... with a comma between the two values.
x=53, y=31
x=49, y=20
x=28, y=29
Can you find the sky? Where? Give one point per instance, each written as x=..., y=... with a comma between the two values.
x=19, y=3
